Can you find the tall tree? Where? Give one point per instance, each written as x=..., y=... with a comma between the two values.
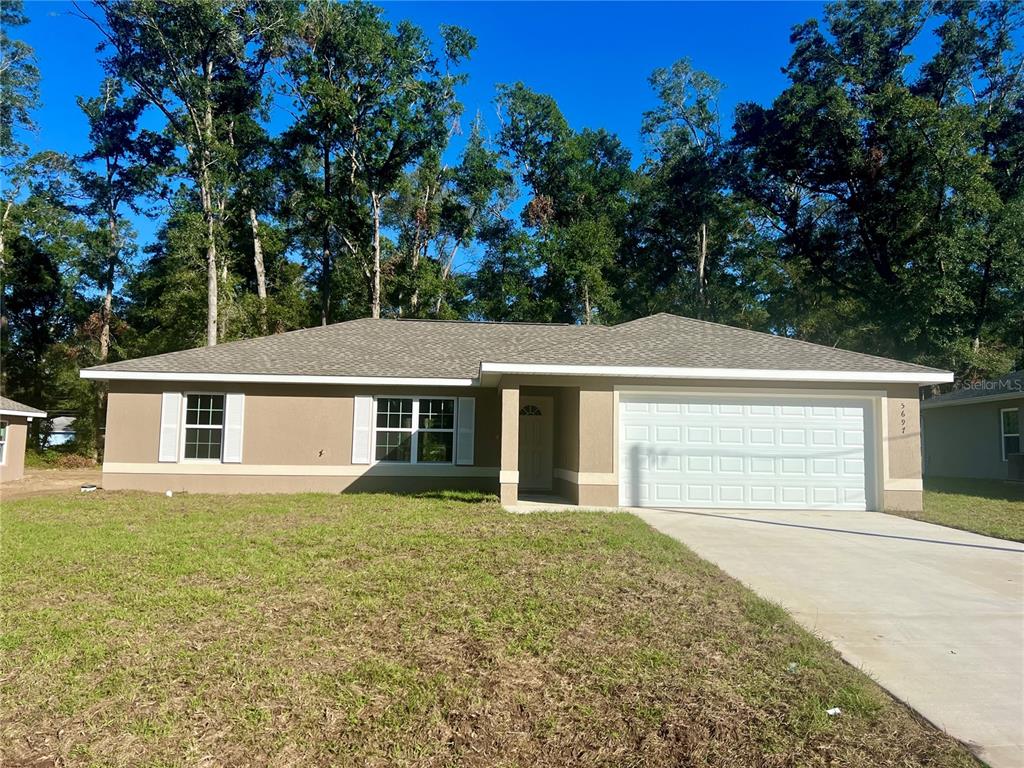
x=317, y=78
x=42, y=303
x=187, y=59
x=19, y=95
x=687, y=204
x=122, y=166
x=579, y=186
x=899, y=187
x=384, y=102
x=438, y=211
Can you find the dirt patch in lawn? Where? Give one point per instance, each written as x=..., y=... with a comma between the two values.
x=380, y=630
x=47, y=482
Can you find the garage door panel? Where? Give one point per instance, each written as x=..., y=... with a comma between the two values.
x=743, y=452
x=729, y=495
x=730, y=464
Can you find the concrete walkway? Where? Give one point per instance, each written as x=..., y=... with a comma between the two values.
x=935, y=615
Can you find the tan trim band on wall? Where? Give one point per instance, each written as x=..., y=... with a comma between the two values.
x=587, y=478
x=508, y=476
x=297, y=470
x=904, y=484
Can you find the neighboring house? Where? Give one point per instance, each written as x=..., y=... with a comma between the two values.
x=972, y=431
x=62, y=431
x=14, y=419
x=661, y=411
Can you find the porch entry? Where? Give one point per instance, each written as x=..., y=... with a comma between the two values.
x=536, y=443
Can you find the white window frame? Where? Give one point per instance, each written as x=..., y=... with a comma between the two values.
x=183, y=427
x=1003, y=434
x=415, y=430
x=4, y=426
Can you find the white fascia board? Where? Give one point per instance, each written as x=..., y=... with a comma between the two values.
x=928, y=404
x=736, y=374
x=26, y=414
x=254, y=378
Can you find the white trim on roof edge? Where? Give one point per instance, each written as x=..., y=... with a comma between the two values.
x=979, y=400
x=739, y=374
x=27, y=414
x=269, y=378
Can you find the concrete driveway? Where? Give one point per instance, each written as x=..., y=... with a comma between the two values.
x=935, y=615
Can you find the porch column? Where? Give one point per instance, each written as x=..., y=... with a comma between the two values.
x=509, y=476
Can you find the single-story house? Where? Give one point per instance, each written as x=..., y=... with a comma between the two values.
x=14, y=420
x=660, y=411
x=972, y=432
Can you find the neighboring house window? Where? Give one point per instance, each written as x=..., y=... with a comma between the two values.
x=1011, y=431
x=204, y=426
x=3, y=442
x=415, y=430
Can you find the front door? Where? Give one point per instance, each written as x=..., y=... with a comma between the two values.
x=535, y=443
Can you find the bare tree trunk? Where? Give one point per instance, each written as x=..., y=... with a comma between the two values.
x=586, y=303
x=326, y=264
x=106, y=313
x=325, y=282
x=419, y=244
x=261, y=274
x=206, y=196
x=446, y=272
x=702, y=261
x=211, y=274
x=982, y=302
x=224, y=313
x=108, y=297
x=375, y=291
x=414, y=300
x=8, y=204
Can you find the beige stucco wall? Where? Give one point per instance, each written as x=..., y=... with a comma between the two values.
x=567, y=429
x=285, y=426
x=966, y=440
x=13, y=467
x=904, y=432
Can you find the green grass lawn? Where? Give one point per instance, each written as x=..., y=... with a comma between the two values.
x=380, y=630
x=991, y=507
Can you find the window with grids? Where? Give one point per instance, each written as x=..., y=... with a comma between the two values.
x=204, y=426
x=3, y=442
x=415, y=430
x=1011, y=431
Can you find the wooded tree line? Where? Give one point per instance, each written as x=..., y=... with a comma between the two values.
x=876, y=204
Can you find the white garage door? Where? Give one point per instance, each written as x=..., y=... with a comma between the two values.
x=743, y=452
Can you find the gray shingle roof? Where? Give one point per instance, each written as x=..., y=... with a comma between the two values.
x=6, y=404
x=1005, y=387
x=452, y=349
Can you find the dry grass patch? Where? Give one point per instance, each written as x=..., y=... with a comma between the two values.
x=381, y=630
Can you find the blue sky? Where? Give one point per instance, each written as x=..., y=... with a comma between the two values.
x=594, y=58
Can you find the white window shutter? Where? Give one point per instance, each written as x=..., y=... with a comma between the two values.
x=170, y=422
x=362, y=428
x=467, y=430
x=234, y=418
